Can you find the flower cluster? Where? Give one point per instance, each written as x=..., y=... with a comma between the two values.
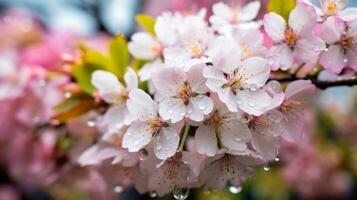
x=211, y=115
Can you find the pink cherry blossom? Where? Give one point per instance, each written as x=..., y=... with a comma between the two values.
x=184, y=94
x=238, y=83
x=342, y=51
x=114, y=93
x=148, y=127
x=295, y=42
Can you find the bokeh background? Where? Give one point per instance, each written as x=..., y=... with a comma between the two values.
x=323, y=165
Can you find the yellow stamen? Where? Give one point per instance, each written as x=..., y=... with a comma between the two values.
x=290, y=37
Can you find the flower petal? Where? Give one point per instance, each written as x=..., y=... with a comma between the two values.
x=215, y=78
x=131, y=79
x=266, y=145
x=274, y=26
x=333, y=59
x=168, y=80
x=308, y=49
x=141, y=106
x=198, y=107
x=332, y=29
x=172, y=109
x=107, y=85
x=137, y=136
x=143, y=46
x=280, y=57
x=166, y=143
x=256, y=70
x=254, y=102
x=234, y=135
x=250, y=11
x=206, y=140
x=302, y=19
x=196, y=79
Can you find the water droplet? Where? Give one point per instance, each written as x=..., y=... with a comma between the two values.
x=244, y=120
x=67, y=95
x=171, y=111
x=237, y=139
x=251, y=104
x=181, y=193
x=253, y=87
x=202, y=106
x=277, y=159
x=239, y=102
x=118, y=189
x=326, y=50
x=235, y=190
x=182, y=114
x=153, y=194
x=143, y=154
x=189, y=111
x=91, y=123
x=136, y=143
x=345, y=60
x=266, y=168
x=158, y=147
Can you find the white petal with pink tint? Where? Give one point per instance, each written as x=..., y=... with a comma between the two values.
x=206, y=140
x=302, y=19
x=196, y=79
x=352, y=57
x=215, y=78
x=274, y=26
x=331, y=30
x=131, y=79
x=144, y=46
x=141, y=106
x=308, y=49
x=166, y=143
x=168, y=81
x=201, y=105
x=280, y=56
x=107, y=85
x=137, y=136
x=256, y=70
x=250, y=11
x=253, y=102
x=234, y=135
x=333, y=59
x=172, y=109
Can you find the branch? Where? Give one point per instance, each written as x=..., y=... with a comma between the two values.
x=319, y=83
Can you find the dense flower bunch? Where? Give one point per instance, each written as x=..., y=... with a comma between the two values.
x=211, y=115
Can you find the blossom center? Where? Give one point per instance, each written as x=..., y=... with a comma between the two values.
x=290, y=106
x=346, y=41
x=290, y=37
x=185, y=92
x=260, y=122
x=234, y=16
x=156, y=124
x=197, y=49
x=246, y=52
x=215, y=120
x=331, y=8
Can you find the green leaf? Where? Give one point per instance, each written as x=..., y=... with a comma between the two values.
x=76, y=110
x=147, y=22
x=118, y=56
x=282, y=7
x=95, y=58
x=70, y=102
x=83, y=74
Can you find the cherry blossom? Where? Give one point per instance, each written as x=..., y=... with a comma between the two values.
x=295, y=42
x=149, y=126
x=225, y=16
x=238, y=83
x=342, y=50
x=184, y=94
x=112, y=91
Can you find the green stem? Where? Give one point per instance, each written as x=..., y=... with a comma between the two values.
x=184, y=137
